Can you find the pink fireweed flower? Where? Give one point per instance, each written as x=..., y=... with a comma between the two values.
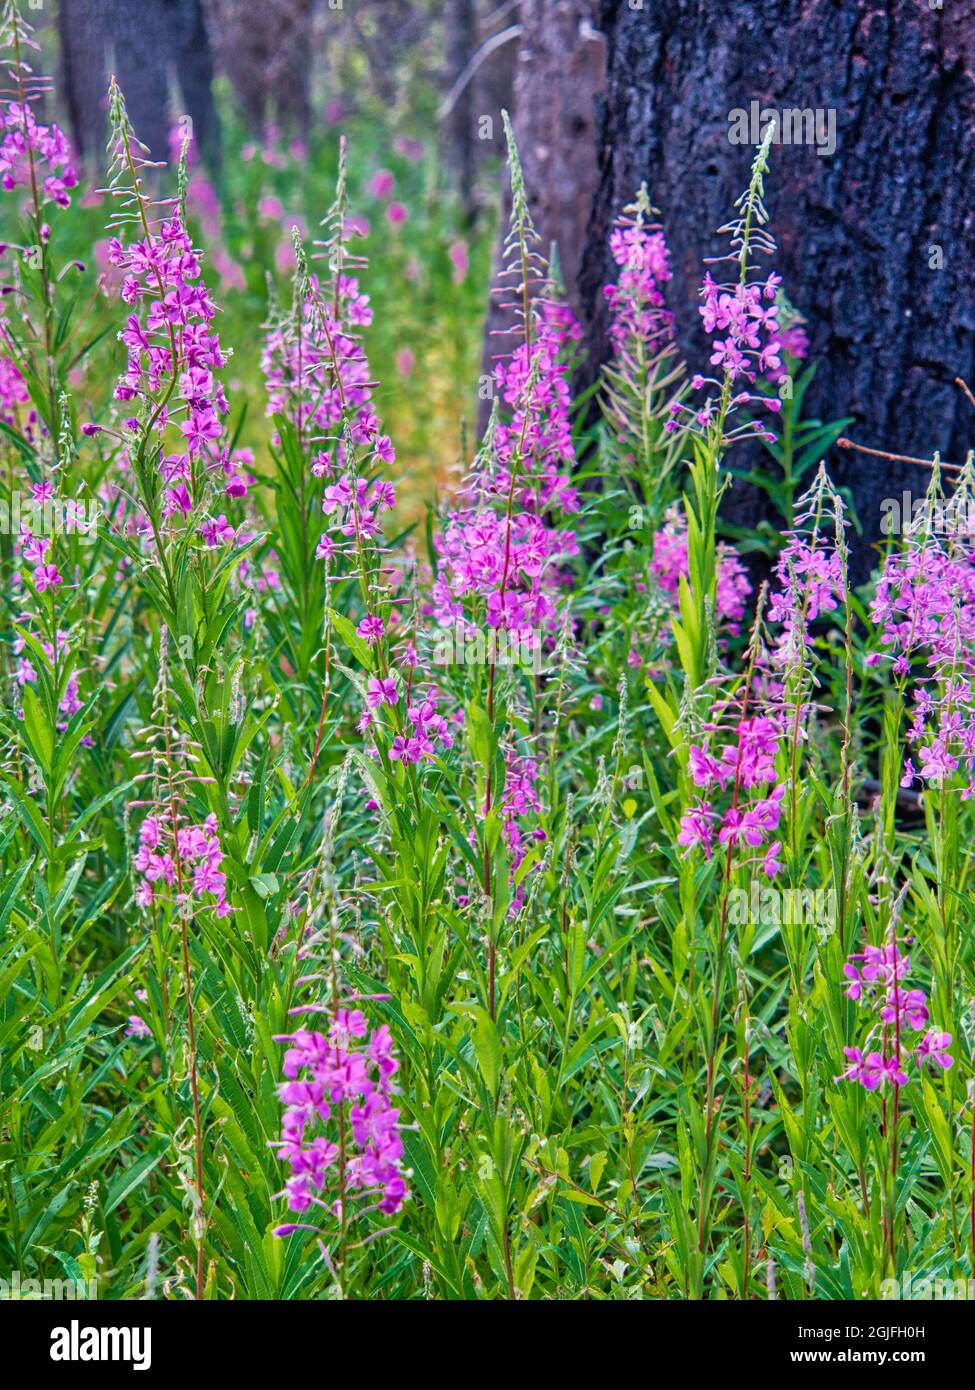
x=218, y=532
x=909, y=1007
x=879, y=1070
x=736, y=762
x=772, y=864
x=696, y=830
x=200, y=857
x=933, y=1048
x=350, y=1071
x=46, y=577
x=741, y=317
x=636, y=301
x=381, y=184
x=810, y=571
x=670, y=564
x=877, y=978
x=854, y=1070
x=33, y=156
x=382, y=691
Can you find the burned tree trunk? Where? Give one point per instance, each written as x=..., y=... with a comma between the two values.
x=876, y=235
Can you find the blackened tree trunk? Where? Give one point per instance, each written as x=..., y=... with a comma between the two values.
x=876, y=237
x=559, y=73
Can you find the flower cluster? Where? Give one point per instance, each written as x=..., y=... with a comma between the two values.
x=33, y=156
x=505, y=550
x=748, y=315
x=317, y=377
x=425, y=728
x=36, y=550
x=173, y=352
x=878, y=977
x=354, y=507
x=341, y=1084
x=520, y=800
x=741, y=318
x=24, y=143
x=811, y=573
x=638, y=311
x=25, y=673
x=189, y=860
x=533, y=446
x=13, y=391
x=508, y=562
x=925, y=608
x=315, y=369
x=788, y=339
x=669, y=564
x=750, y=347
x=746, y=764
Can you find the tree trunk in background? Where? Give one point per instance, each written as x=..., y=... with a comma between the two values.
x=150, y=43
x=856, y=229
x=559, y=75
x=481, y=48
x=459, y=135
x=265, y=47
x=84, y=76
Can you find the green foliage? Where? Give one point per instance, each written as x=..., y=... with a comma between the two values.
x=611, y=1091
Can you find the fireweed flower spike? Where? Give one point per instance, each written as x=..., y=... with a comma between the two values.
x=810, y=573
x=179, y=875
x=644, y=373
x=924, y=608
x=35, y=162
x=878, y=980
x=37, y=174
x=355, y=498
x=732, y=763
x=35, y=166
x=502, y=553
x=742, y=317
x=33, y=156
x=334, y=1081
x=644, y=377
x=341, y=1131
x=177, y=442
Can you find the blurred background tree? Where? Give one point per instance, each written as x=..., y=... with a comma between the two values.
x=150, y=46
